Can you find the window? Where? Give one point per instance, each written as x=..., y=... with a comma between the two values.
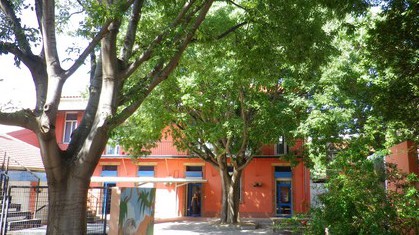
x=193, y=172
x=69, y=126
x=230, y=172
x=146, y=171
x=283, y=172
x=109, y=171
x=112, y=150
x=281, y=146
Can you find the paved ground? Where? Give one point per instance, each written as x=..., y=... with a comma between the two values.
x=206, y=226
x=190, y=226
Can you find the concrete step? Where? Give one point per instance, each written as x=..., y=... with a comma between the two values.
x=19, y=215
x=13, y=207
x=23, y=224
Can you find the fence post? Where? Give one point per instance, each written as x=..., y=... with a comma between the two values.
x=5, y=192
x=106, y=191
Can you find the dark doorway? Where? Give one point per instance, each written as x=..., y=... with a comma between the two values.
x=283, y=178
x=193, y=200
x=283, y=198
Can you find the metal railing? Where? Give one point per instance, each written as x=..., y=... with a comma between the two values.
x=26, y=209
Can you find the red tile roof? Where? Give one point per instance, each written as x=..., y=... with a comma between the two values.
x=20, y=153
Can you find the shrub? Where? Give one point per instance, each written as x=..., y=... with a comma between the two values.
x=357, y=202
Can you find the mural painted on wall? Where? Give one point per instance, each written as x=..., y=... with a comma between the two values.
x=136, y=214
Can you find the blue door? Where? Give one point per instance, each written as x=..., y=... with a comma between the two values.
x=283, y=198
x=193, y=200
x=106, y=206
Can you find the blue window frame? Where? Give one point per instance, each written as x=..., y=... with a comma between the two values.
x=193, y=171
x=109, y=171
x=146, y=171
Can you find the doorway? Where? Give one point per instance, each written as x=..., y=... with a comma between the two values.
x=193, y=200
x=106, y=206
x=284, y=198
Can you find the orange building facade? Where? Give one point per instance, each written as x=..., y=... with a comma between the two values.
x=269, y=186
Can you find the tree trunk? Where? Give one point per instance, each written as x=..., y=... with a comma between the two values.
x=67, y=209
x=231, y=196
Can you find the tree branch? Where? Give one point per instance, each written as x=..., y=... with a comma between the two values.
x=11, y=48
x=132, y=93
x=131, y=31
x=175, y=59
x=83, y=130
x=89, y=49
x=23, y=118
x=160, y=76
x=146, y=55
x=23, y=44
x=244, y=116
x=49, y=38
x=230, y=30
x=137, y=100
x=237, y=5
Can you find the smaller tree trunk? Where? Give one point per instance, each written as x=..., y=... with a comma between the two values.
x=231, y=196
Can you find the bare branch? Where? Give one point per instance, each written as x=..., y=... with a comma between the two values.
x=83, y=130
x=48, y=34
x=23, y=118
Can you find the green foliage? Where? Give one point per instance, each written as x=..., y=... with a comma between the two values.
x=393, y=46
x=354, y=99
x=266, y=52
x=357, y=201
x=296, y=224
x=404, y=197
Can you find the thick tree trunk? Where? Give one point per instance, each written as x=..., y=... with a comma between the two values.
x=231, y=196
x=67, y=206
x=68, y=183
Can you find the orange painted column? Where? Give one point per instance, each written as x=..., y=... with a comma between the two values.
x=405, y=156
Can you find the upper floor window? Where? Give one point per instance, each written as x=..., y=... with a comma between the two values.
x=69, y=126
x=146, y=171
x=193, y=171
x=281, y=146
x=112, y=150
x=109, y=170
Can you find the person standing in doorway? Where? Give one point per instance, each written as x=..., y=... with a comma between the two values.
x=196, y=203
